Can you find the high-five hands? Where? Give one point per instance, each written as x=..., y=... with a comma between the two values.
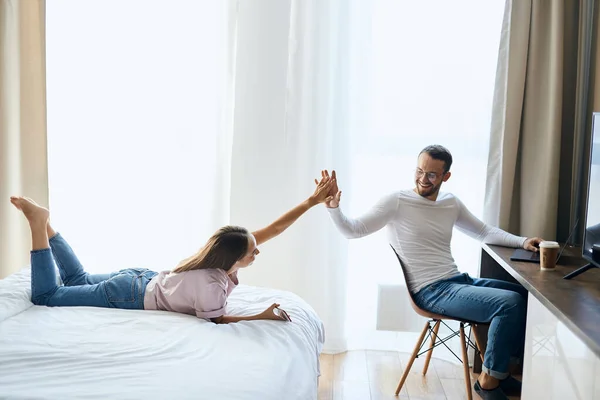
x=322, y=190
x=334, y=195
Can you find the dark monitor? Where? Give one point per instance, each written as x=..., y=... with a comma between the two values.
x=591, y=238
x=592, y=226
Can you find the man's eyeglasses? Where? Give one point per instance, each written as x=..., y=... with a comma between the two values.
x=432, y=176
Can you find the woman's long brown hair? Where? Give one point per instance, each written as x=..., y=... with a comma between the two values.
x=228, y=245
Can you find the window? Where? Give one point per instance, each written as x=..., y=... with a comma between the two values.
x=133, y=108
x=432, y=78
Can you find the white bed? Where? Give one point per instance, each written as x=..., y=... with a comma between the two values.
x=85, y=353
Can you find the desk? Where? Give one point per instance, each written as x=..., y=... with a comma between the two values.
x=562, y=345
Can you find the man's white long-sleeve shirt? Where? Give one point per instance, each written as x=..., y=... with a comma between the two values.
x=420, y=230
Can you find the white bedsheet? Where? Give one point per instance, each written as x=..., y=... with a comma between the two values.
x=85, y=352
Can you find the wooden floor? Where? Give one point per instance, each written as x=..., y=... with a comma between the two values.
x=374, y=375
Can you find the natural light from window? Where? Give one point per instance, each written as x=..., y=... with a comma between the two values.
x=133, y=113
x=432, y=78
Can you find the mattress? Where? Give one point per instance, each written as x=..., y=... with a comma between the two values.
x=97, y=353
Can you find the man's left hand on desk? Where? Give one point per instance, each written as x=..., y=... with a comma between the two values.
x=532, y=244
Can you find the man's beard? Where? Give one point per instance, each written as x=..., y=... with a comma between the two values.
x=427, y=190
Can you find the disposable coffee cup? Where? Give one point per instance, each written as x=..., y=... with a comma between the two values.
x=548, y=255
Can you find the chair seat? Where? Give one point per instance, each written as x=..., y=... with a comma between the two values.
x=430, y=315
x=425, y=313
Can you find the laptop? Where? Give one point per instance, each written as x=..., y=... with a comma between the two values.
x=530, y=256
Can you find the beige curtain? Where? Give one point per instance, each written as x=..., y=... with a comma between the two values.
x=23, y=157
x=539, y=117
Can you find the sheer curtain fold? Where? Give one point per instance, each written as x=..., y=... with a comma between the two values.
x=221, y=208
x=23, y=156
x=297, y=58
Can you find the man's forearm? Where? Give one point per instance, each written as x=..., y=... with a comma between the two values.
x=477, y=229
x=370, y=222
x=500, y=237
x=351, y=229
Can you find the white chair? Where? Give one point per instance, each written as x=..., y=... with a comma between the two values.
x=431, y=332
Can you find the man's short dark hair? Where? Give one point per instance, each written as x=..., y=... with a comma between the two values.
x=438, y=152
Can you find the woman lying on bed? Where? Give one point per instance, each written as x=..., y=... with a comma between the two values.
x=199, y=285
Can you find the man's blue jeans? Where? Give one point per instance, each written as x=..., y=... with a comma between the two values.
x=501, y=304
x=123, y=289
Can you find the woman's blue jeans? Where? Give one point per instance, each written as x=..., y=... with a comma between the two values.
x=122, y=289
x=501, y=304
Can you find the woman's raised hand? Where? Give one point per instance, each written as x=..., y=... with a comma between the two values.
x=323, y=189
x=334, y=195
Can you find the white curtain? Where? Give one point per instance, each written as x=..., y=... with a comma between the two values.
x=139, y=127
x=206, y=114
x=297, y=104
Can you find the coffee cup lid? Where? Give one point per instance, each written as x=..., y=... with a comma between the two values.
x=549, y=244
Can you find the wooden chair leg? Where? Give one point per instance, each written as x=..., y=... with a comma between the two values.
x=463, y=345
x=412, y=357
x=481, y=350
x=436, y=328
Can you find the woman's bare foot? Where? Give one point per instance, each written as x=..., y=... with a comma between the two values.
x=33, y=211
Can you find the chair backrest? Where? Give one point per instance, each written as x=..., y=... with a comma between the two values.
x=415, y=307
x=402, y=265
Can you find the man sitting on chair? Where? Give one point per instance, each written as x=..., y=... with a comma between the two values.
x=420, y=223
